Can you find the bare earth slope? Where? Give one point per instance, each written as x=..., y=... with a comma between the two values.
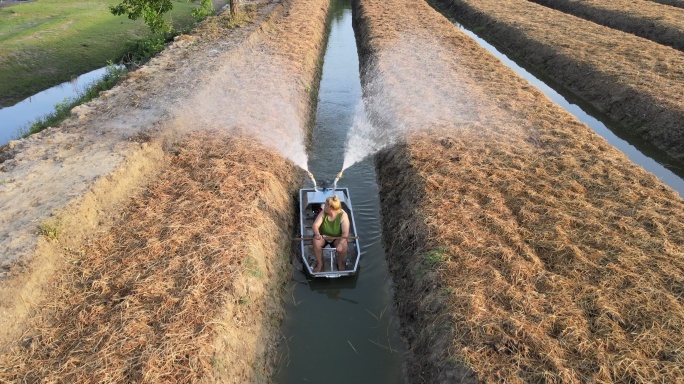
x=523, y=247
x=656, y=22
x=637, y=82
x=167, y=213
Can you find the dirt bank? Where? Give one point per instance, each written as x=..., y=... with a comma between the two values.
x=644, y=18
x=636, y=82
x=523, y=247
x=151, y=225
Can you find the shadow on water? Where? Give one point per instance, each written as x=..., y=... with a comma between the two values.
x=343, y=330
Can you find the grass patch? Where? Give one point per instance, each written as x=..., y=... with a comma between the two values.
x=243, y=17
x=51, y=228
x=436, y=257
x=46, y=43
x=252, y=268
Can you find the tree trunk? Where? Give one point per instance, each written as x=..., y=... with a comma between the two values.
x=234, y=7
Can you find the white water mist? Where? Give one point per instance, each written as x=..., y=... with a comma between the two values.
x=364, y=138
x=254, y=95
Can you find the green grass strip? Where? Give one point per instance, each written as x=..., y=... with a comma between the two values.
x=47, y=42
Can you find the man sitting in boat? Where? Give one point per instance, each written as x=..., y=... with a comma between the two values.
x=333, y=223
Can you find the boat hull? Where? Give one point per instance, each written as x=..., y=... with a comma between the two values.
x=310, y=202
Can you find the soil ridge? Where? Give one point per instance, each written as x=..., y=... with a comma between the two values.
x=652, y=21
x=674, y=3
x=636, y=82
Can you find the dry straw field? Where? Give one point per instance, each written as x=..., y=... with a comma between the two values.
x=674, y=3
x=656, y=22
x=524, y=248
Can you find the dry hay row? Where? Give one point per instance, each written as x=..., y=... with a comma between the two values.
x=143, y=302
x=659, y=23
x=636, y=82
x=524, y=275
x=427, y=323
x=564, y=278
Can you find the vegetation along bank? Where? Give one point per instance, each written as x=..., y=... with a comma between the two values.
x=45, y=43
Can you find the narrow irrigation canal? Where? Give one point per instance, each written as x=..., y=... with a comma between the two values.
x=343, y=330
x=17, y=119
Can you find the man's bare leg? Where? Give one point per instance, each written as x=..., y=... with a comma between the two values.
x=318, y=253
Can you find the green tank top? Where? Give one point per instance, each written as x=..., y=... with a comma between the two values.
x=331, y=228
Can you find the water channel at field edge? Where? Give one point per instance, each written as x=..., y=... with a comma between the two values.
x=637, y=150
x=343, y=330
x=19, y=117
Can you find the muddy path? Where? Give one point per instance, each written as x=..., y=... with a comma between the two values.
x=636, y=82
x=142, y=239
x=523, y=247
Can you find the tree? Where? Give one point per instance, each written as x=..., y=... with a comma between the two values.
x=152, y=12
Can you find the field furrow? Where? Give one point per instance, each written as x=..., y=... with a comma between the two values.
x=656, y=22
x=634, y=81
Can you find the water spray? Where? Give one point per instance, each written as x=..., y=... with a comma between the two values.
x=312, y=179
x=339, y=176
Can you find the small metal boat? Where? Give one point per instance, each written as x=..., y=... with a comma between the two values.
x=311, y=201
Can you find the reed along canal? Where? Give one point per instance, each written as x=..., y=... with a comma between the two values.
x=343, y=330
